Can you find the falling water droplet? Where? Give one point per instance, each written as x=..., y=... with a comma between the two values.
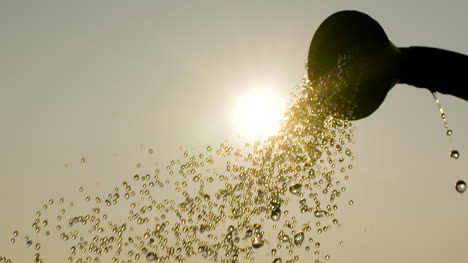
x=460, y=186
x=449, y=132
x=303, y=201
x=299, y=238
x=276, y=214
x=295, y=189
x=320, y=213
x=257, y=242
x=454, y=154
x=151, y=257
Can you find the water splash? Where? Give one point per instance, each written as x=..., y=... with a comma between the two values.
x=296, y=171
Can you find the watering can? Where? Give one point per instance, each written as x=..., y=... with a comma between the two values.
x=351, y=50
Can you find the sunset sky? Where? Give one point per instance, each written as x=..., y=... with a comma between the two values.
x=108, y=80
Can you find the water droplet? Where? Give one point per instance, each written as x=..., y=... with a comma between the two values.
x=150, y=257
x=276, y=214
x=295, y=189
x=454, y=154
x=351, y=202
x=299, y=238
x=449, y=132
x=348, y=152
x=320, y=213
x=257, y=242
x=83, y=160
x=303, y=201
x=460, y=186
x=277, y=260
x=150, y=151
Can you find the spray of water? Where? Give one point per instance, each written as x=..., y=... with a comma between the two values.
x=276, y=196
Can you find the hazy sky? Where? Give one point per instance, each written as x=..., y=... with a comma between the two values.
x=109, y=79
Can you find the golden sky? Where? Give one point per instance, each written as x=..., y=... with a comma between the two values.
x=110, y=79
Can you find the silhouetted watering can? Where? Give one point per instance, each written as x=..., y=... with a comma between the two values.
x=355, y=42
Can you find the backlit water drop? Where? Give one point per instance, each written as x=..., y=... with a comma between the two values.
x=295, y=189
x=299, y=238
x=460, y=186
x=151, y=257
x=257, y=242
x=454, y=154
x=320, y=213
x=275, y=214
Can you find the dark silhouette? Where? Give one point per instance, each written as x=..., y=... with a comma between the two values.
x=352, y=50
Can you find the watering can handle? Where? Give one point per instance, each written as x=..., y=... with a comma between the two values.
x=435, y=69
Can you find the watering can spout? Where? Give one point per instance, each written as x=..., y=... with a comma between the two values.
x=353, y=65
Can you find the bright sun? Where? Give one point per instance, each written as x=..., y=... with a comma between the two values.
x=258, y=113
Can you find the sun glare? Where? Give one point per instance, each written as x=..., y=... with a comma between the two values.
x=258, y=113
